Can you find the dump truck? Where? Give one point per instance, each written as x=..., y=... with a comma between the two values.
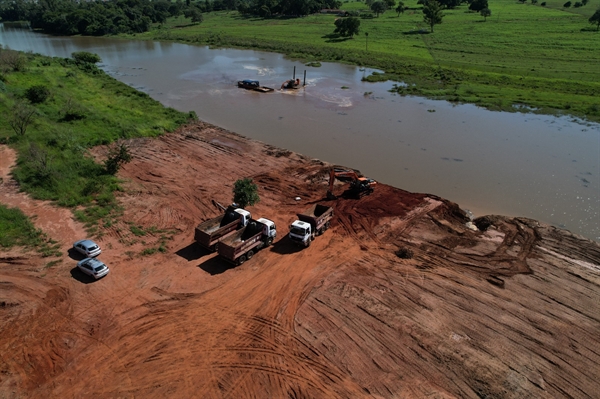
x=311, y=223
x=210, y=232
x=244, y=243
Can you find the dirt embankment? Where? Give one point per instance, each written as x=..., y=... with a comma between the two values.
x=398, y=300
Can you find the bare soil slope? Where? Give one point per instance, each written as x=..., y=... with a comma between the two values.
x=508, y=311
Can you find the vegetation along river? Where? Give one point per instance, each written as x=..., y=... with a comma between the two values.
x=542, y=167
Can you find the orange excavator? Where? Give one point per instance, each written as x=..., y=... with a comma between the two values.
x=359, y=185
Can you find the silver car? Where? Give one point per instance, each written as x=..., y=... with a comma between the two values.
x=93, y=267
x=87, y=247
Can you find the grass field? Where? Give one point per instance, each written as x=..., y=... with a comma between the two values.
x=543, y=57
x=17, y=229
x=53, y=160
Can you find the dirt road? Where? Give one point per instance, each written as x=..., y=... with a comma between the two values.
x=511, y=310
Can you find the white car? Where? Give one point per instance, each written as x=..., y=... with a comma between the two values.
x=93, y=267
x=87, y=247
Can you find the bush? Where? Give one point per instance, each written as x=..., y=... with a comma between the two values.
x=567, y=4
x=543, y=4
x=117, y=156
x=577, y=4
x=245, y=192
x=37, y=94
x=83, y=57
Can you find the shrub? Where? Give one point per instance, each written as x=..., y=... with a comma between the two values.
x=117, y=156
x=567, y=4
x=245, y=192
x=37, y=94
x=83, y=57
x=543, y=4
x=577, y=4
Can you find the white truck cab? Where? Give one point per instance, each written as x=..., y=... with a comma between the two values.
x=269, y=229
x=246, y=216
x=301, y=232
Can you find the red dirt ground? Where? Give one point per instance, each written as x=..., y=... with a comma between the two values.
x=509, y=312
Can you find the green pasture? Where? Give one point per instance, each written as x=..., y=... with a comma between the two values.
x=543, y=57
x=53, y=159
x=17, y=229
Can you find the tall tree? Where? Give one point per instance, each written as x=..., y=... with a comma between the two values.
x=378, y=7
x=595, y=19
x=432, y=13
x=478, y=5
x=347, y=26
x=400, y=8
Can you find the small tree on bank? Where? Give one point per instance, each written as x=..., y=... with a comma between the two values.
x=22, y=116
x=486, y=12
x=118, y=155
x=432, y=13
x=478, y=5
x=378, y=7
x=347, y=26
x=595, y=19
x=245, y=192
x=400, y=8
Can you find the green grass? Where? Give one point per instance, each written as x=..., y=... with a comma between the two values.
x=17, y=230
x=53, y=159
x=543, y=57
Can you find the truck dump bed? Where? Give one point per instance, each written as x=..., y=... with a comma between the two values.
x=241, y=241
x=316, y=215
x=213, y=229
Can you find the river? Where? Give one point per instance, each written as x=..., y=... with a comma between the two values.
x=516, y=164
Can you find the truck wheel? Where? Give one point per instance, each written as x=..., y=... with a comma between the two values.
x=326, y=226
x=307, y=243
x=250, y=254
x=215, y=247
x=269, y=241
x=241, y=259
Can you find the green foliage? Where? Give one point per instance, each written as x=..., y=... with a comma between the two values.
x=118, y=155
x=567, y=4
x=432, y=13
x=85, y=111
x=595, y=19
x=194, y=14
x=245, y=192
x=378, y=7
x=345, y=27
x=37, y=94
x=400, y=8
x=485, y=13
x=85, y=57
x=17, y=230
x=478, y=5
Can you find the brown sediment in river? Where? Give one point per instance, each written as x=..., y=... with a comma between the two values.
x=399, y=299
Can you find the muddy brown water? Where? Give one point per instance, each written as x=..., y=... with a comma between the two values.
x=516, y=164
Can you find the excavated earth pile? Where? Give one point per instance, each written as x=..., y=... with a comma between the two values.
x=401, y=298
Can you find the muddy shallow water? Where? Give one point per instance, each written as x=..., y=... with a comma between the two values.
x=542, y=167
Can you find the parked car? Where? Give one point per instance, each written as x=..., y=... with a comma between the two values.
x=93, y=267
x=87, y=247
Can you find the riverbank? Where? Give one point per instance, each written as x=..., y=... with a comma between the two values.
x=528, y=59
x=399, y=298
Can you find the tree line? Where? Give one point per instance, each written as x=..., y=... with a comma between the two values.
x=92, y=18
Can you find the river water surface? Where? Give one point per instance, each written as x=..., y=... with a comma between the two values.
x=543, y=167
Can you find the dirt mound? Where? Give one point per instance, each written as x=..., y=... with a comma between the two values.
x=506, y=311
